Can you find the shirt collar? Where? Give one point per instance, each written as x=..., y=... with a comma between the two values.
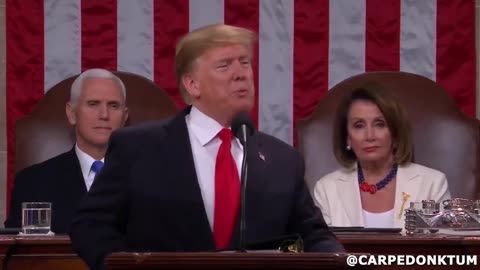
x=205, y=128
x=85, y=160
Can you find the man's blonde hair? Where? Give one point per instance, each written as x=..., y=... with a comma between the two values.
x=197, y=42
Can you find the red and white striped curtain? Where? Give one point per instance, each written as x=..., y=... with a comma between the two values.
x=305, y=47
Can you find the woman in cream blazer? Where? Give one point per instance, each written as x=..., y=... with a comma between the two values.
x=338, y=195
x=378, y=180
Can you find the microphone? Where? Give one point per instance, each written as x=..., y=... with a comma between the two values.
x=242, y=128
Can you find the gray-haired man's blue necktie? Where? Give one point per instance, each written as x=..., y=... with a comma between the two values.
x=97, y=167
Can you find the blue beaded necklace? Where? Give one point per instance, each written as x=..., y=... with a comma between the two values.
x=365, y=187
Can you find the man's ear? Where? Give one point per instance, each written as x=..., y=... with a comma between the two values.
x=191, y=85
x=125, y=116
x=70, y=112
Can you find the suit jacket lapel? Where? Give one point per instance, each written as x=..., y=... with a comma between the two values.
x=257, y=162
x=256, y=169
x=349, y=195
x=182, y=163
x=72, y=164
x=406, y=191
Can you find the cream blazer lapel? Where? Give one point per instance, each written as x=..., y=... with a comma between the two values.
x=408, y=185
x=349, y=195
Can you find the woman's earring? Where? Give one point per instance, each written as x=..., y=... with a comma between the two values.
x=349, y=147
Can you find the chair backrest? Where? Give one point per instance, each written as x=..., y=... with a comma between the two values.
x=45, y=132
x=444, y=138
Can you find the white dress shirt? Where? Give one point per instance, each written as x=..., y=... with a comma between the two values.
x=86, y=162
x=202, y=131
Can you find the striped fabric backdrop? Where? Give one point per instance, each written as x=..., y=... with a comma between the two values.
x=305, y=47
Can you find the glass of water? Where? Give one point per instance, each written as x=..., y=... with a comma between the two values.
x=36, y=217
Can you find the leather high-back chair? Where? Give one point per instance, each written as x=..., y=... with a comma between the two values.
x=444, y=138
x=45, y=132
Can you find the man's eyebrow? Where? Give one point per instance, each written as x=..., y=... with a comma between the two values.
x=114, y=102
x=224, y=59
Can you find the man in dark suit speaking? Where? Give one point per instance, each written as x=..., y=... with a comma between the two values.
x=174, y=185
x=95, y=109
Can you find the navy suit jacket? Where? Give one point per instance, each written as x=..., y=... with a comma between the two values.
x=147, y=197
x=58, y=180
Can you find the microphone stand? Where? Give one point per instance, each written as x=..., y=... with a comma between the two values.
x=243, y=188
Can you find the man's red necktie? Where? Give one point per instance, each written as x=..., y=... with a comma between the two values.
x=227, y=192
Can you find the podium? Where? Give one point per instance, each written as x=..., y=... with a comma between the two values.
x=55, y=252
x=204, y=260
x=5, y=244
